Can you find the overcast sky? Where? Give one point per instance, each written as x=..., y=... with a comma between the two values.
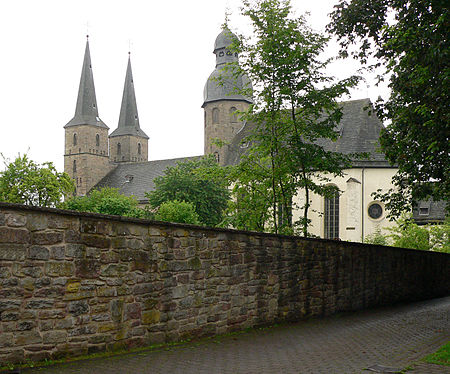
x=171, y=54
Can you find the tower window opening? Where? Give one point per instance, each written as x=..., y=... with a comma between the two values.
x=94, y=106
x=233, y=115
x=119, y=149
x=139, y=149
x=74, y=139
x=97, y=140
x=215, y=115
x=74, y=166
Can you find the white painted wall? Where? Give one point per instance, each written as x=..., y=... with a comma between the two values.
x=356, y=188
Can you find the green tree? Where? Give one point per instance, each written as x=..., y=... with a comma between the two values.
x=177, y=211
x=407, y=234
x=201, y=182
x=294, y=106
x=25, y=182
x=376, y=238
x=107, y=201
x=408, y=40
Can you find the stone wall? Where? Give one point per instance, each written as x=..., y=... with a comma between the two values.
x=75, y=283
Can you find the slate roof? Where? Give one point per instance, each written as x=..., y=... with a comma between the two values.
x=137, y=178
x=129, y=118
x=359, y=133
x=86, y=111
x=429, y=211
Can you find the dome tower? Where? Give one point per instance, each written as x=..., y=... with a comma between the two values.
x=222, y=99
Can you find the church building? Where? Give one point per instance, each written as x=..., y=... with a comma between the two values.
x=95, y=158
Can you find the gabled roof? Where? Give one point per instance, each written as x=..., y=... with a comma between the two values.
x=86, y=111
x=129, y=118
x=137, y=178
x=359, y=134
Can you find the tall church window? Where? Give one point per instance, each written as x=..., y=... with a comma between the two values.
x=74, y=166
x=97, y=140
x=331, y=216
x=215, y=115
x=74, y=139
x=233, y=114
x=119, y=149
x=139, y=149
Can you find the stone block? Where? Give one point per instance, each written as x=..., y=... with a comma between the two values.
x=72, y=236
x=55, y=269
x=97, y=241
x=90, y=226
x=12, y=252
x=13, y=235
x=120, y=229
x=109, y=257
x=9, y=316
x=77, y=308
x=151, y=316
x=132, y=311
x=36, y=252
x=87, y=268
x=6, y=340
x=52, y=337
x=5, y=272
x=58, y=252
x=116, y=309
x=16, y=220
x=2, y=219
x=106, y=327
x=27, y=338
x=39, y=304
x=36, y=222
x=75, y=250
x=113, y=270
x=27, y=284
x=63, y=324
x=59, y=222
x=47, y=237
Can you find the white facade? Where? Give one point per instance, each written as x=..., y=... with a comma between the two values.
x=354, y=222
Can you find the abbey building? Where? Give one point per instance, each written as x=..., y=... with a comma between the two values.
x=95, y=158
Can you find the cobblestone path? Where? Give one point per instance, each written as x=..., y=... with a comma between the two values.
x=393, y=337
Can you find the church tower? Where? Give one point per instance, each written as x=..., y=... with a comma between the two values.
x=128, y=143
x=86, y=157
x=222, y=99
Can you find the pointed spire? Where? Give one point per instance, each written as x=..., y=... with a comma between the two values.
x=86, y=111
x=129, y=118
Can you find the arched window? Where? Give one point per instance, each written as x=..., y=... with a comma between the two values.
x=74, y=139
x=97, y=140
x=119, y=149
x=233, y=114
x=331, y=217
x=217, y=156
x=74, y=166
x=215, y=115
x=139, y=149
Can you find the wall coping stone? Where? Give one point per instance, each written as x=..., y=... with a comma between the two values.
x=75, y=213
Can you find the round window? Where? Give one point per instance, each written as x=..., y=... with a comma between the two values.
x=375, y=211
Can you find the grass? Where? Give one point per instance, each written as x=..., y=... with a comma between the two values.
x=441, y=356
